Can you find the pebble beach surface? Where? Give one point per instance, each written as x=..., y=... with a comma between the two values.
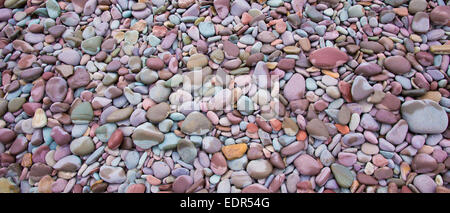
x=226, y=96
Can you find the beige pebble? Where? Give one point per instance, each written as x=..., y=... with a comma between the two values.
x=39, y=119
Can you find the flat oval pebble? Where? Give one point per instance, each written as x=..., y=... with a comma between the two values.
x=328, y=58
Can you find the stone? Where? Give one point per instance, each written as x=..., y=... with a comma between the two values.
x=159, y=93
x=353, y=139
x=120, y=115
x=39, y=170
x=307, y=165
x=397, y=64
x=328, y=58
x=69, y=56
x=317, y=129
x=259, y=169
x=266, y=36
x=342, y=175
x=158, y=112
x=222, y=7
x=82, y=113
x=146, y=135
x=82, y=146
x=6, y=135
x=313, y=14
x=238, y=7
x=398, y=132
x=424, y=116
x=7, y=186
x=160, y=169
x=197, y=61
x=356, y=11
x=211, y=144
x=70, y=163
x=420, y=22
x=206, y=29
x=425, y=184
x=230, y=49
x=218, y=163
x=234, y=151
x=116, y=139
x=196, y=123
x=294, y=88
x=361, y=89
x=417, y=6
x=187, y=151
x=39, y=119
x=344, y=115
x=290, y=127
x=368, y=69
x=80, y=78
x=56, y=89
x=53, y=8
x=423, y=163
x=440, y=15
x=16, y=104
x=91, y=46
x=112, y=174
x=45, y=184
x=132, y=160
x=182, y=183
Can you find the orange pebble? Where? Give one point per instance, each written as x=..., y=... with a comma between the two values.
x=276, y=42
x=252, y=128
x=301, y=135
x=401, y=11
x=276, y=124
x=342, y=128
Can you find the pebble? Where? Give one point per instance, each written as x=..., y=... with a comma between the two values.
x=425, y=184
x=259, y=169
x=160, y=169
x=307, y=165
x=397, y=64
x=196, y=124
x=234, y=151
x=424, y=116
x=82, y=146
x=328, y=58
x=342, y=175
x=186, y=150
x=112, y=174
x=361, y=89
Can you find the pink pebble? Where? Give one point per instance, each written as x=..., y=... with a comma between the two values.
x=212, y=117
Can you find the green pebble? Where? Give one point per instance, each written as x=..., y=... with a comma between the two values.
x=126, y=14
x=104, y=132
x=82, y=113
x=343, y=175
x=15, y=104
x=46, y=135
x=53, y=9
